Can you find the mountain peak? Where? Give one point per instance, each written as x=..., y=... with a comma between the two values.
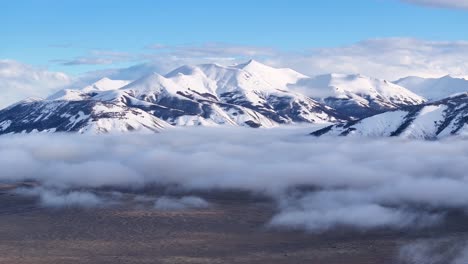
x=152, y=77
x=252, y=61
x=104, y=79
x=448, y=77
x=453, y=77
x=105, y=84
x=182, y=70
x=435, y=88
x=250, y=64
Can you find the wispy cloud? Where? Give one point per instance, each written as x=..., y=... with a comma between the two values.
x=388, y=58
x=88, y=61
x=98, y=57
x=167, y=58
x=183, y=203
x=61, y=45
x=54, y=198
x=214, y=49
x=173, y=55
x=440, y=3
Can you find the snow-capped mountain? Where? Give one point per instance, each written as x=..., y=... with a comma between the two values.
x=435, y=88
x=356, y=95
x=83, y=116
x=428, y=121
x=249, y=94
x=104, y=84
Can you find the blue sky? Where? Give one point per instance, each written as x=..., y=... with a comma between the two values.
x=51, y=32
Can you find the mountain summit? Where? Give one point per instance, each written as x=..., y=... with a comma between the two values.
x=357, y=95
x=435, y=88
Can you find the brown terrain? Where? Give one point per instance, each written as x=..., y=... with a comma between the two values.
x=232, y=230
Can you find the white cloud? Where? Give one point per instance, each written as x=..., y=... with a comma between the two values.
x=447, y=250
x=97, y=57
x=440, y=3
x=19, y=81
x=59, y=199
x=183, y=203
x=71, y=199
x=167, y=58
x=213, y=50
x=400, y=183
x=388, y=58
x=316, y=218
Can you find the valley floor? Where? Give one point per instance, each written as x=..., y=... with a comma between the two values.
x=233, y=230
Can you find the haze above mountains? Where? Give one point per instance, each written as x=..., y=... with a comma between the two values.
x=250, y=94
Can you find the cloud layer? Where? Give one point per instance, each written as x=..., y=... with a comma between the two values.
x=387, y=58
x=315, y=182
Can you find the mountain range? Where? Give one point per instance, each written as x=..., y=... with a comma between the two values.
x=250, y=94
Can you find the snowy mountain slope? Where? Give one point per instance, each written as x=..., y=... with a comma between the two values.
x=249, y=94
x=69, y=95
x=85, y=116
x=190, y=88
x=357, y=95
x=435, y=88
x=104, y=84
x=179, y=110
x=428, y=121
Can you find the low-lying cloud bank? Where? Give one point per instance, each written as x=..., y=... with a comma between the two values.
x=183, y=203
x=60, y=199
x=435, y=251
x=319, y=184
